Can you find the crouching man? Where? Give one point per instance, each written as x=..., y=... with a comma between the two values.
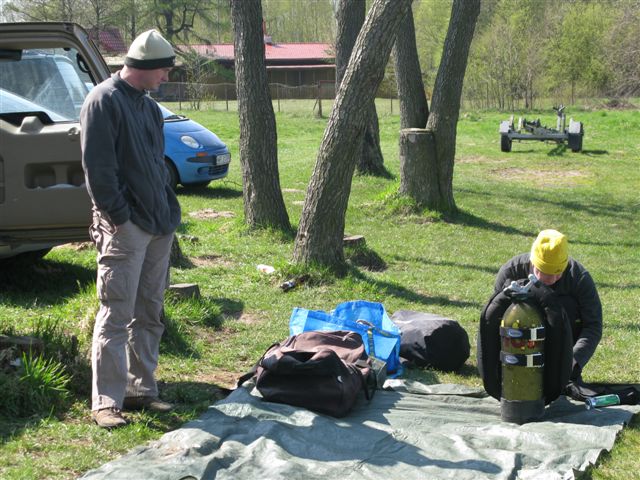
x=550, y=262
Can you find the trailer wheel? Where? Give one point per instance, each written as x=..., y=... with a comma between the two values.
x=575, y=142
x=505, y=143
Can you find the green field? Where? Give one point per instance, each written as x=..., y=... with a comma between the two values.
x=433, y=264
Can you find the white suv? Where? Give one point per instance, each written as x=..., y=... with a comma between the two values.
x=45, y=70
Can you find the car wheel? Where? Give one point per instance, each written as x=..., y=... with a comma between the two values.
x=505, y=143
x=174, y=179
x=198, y=186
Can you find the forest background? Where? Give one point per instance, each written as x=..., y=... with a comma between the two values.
x=523, y=51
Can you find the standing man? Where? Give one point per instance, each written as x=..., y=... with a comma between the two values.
x=550, y=262
x=135, y=214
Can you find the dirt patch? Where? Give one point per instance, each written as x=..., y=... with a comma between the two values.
x=220, y=378
x=476, y=159
x=211, y=261
x=209, y=213
x=540, y=178
x=250, y=319
x=76, y=246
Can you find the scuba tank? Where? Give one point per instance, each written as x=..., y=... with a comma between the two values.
x=522, y=335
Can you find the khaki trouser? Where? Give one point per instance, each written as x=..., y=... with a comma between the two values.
x=132, y=276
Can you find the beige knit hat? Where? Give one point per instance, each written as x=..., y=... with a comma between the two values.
x=150, y=50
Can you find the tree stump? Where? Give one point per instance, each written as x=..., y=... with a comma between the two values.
x=354, y=241
x=418, y=168
x=185, y=290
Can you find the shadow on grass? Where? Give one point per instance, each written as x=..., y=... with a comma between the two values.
x=595, y=152
x=221, y=192
x=463, y=266
x=593, y=208
x=230, y=307
x=381, y=172
x=558, y=150
x=49, y=281
x=190, y=399
x=429, y=376
x=470, y=220
x=191, y=394
x=398, y=291
x=177, y=339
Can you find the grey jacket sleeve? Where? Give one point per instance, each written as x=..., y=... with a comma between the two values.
x=590, y=314
x=99, y=121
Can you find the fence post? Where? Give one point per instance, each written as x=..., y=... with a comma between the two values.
x=226, y=97
x=319, y=100
x=278, y=95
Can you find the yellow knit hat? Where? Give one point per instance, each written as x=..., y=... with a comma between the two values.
x=550, y=252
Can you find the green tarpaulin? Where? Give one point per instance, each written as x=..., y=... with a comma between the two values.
x=414, y=431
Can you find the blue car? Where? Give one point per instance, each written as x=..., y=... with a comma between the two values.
x=194, y=155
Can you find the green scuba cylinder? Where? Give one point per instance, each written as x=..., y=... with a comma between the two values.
x=522, y=357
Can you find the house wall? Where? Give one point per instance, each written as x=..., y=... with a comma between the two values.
x=294, y=77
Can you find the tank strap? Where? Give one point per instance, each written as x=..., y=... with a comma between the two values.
x=536, y=333
x=521, y=360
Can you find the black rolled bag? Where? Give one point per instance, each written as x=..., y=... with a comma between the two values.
x=558, y=343
x=432, y=341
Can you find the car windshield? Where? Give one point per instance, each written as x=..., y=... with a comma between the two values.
x=46, y=80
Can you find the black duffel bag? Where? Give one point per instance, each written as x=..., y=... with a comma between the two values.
x=432, y=341
x=322, y=371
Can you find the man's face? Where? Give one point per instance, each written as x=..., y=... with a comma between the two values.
x=545, y=277
x=152, y=79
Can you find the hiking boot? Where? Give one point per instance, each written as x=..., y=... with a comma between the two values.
x=108, y=418
x=148, y=403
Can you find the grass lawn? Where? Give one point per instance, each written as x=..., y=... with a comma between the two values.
x=432, y=265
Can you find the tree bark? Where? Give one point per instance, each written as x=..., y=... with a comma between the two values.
x=414, y=109
x=263, y=202
x=445, y=109
x=321, y=230
x=349, y=16
x=417, y=159
x=414, y=113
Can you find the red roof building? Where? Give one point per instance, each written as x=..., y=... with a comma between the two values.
x=292, y=64
x=108, y=40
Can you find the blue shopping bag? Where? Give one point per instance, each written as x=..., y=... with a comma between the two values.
x=380, y=335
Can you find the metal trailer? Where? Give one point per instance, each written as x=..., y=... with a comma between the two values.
x=533, y=130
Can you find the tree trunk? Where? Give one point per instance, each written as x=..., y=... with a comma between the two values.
x=371, y=161
x=263, y=202
x=321, y=229
x=414, y=109
x=445, y=109
x=349, y=19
